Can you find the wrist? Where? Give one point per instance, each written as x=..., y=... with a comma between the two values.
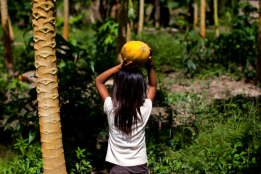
x=119, y=67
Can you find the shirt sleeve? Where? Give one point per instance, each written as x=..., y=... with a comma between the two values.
x=107, y=105
x=147, y=107
x=148, y=103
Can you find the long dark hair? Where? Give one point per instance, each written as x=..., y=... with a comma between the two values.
x=128, y=95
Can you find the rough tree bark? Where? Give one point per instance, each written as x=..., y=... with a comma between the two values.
x=7, y=40
x=141, y=18
x=47, y=87
x=202, y=18
x=66, y=20
x=216, y=17
x=258, y=68
x=195, y=22
x=157, y=13
x=122, y=32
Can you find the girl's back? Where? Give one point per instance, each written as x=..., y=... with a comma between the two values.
x=123, y=149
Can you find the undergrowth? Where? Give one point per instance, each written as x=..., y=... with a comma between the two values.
x=219, y=137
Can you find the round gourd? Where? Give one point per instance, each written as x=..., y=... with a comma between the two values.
x=135, y=51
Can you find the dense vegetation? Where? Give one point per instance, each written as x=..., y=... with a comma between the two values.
x=191, y=132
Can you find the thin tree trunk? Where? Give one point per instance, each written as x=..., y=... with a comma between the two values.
x=108, y=8
x=7, y=40
x=128, y=32
x=216, y=17
x=130, y=19
x=157, y=13
x=202, y=18
x=47, y=87
x=66, y=20
x=102, y=9
x=11, y=29
x=195, y=14
x=122, y=32
x=141, y=18
x=258, y=68
x=95, y=11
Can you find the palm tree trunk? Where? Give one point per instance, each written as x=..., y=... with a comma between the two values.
x=47, y=87
x=141, y=18
x=195, y=14
x=157, y=13
x=7, y=40
x=258, y=68
x=216, y=17
x=202, y=18
x=122, y=32
x=66, y=20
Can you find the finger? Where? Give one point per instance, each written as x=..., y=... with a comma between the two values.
x=130, y=62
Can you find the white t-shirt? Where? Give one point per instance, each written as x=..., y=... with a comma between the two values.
x=126, y=150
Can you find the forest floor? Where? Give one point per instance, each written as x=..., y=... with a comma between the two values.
x=222, y=87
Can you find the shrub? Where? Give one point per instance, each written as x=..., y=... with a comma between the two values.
x=223, y=137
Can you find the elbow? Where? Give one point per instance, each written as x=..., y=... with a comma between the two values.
x=154, y=85
x=97, y=80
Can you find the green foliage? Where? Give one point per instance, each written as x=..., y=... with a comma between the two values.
x=20, y=12
x=221, y=137
x=195, y=52
x=166, y=49
x=82, y=166
x=105, y=44
x=233, y=52
x=239, y=47
x=29, y=160
x=131, y=11
x=15, y=87
x=73, y=21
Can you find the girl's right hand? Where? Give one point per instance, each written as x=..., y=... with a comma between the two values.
x=125, y=65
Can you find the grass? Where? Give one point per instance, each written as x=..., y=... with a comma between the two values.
x=218, y=137
x=7, y=154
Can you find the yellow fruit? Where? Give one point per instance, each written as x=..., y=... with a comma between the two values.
x=135, y=51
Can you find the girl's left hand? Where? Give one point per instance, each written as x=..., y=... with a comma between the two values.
x=150, y=61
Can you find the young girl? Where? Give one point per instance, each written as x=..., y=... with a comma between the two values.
x=128, y=110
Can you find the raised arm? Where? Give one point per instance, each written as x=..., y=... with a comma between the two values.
x=103, y=77
x=152, y=79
